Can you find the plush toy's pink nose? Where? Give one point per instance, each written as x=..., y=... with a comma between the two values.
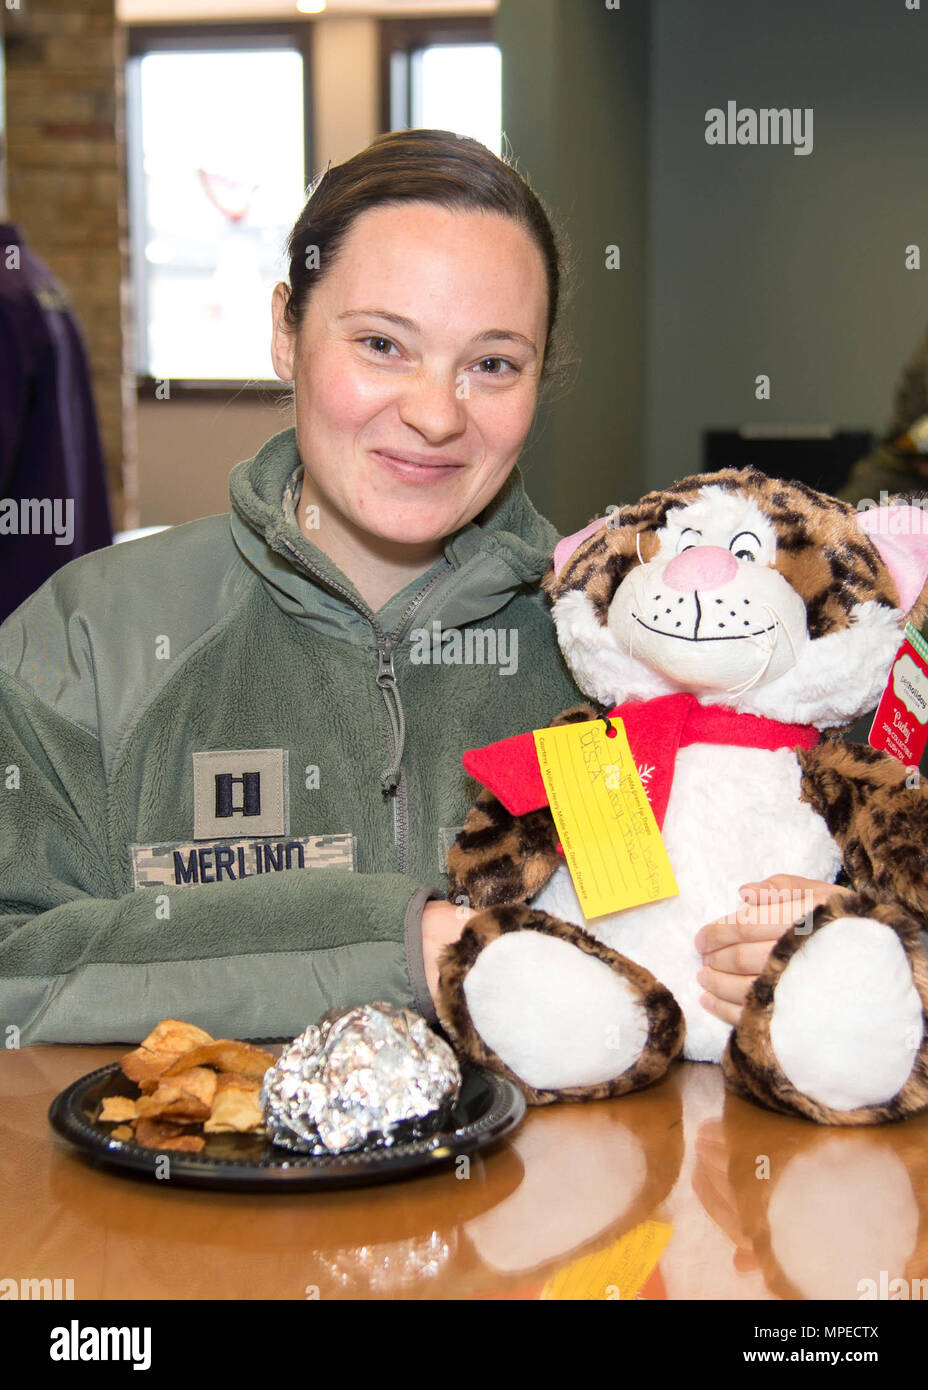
x=701, y=567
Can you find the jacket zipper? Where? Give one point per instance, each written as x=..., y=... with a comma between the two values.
x=386, y=677
x=386, y=683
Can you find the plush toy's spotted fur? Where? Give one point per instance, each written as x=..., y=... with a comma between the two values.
x=820, y=549
x=878, y=816
x=502, y=858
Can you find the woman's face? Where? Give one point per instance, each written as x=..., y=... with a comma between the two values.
x=416, y=367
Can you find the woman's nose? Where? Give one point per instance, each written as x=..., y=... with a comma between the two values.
x=433, y=406
x=701, y=567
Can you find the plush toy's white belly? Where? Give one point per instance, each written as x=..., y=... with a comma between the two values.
x=734, y=816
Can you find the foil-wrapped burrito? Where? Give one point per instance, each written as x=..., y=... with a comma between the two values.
x=365, y=1077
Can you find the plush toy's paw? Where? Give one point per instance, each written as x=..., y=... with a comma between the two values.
x=835, y=1028
x=547, y=1005
x=501, y=858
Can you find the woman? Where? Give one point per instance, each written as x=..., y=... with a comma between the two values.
x=232, y=749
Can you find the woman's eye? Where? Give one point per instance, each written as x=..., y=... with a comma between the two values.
x=376, y=338
x=498, y=361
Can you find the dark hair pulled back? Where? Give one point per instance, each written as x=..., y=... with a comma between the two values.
x=433, y=166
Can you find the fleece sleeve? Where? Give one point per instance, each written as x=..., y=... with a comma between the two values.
x=82, y=961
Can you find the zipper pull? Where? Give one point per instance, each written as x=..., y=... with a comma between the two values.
x=386, y=681
x=385, y=671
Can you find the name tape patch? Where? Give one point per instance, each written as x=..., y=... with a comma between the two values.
x=186, y=865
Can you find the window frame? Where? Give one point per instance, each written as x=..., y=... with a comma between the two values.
x=406, y=35
x=143, y=39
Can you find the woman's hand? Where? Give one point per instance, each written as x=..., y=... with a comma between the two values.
x=735, y=948
x=442, y=923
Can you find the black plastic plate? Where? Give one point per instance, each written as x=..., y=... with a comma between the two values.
x=488, y=1107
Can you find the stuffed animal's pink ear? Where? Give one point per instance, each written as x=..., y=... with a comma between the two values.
x=565, y=548
x=900, y=534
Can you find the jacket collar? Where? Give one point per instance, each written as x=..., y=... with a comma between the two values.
x=484, y=563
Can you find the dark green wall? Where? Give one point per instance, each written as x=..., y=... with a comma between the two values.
x=735, y=260
x=575, y=104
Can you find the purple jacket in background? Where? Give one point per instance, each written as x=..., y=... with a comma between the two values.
x=49, y=442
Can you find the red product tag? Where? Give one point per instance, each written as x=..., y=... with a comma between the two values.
x=900, y=725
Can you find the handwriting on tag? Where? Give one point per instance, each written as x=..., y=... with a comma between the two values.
x=611, y=841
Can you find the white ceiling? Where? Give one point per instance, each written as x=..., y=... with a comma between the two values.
x=151, y=11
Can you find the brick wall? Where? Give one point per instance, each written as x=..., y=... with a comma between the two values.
x=65, y=61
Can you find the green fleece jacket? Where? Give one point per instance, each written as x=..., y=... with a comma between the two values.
x=228, y=786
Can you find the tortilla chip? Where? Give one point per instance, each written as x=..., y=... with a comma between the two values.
x=143, y=1066
x=188, y=1097
x=227, y=1079
x=198, y=1082
x=173, y=1035
x=116, y=1108
x=170, y=1039
x=187, y=1078
x=155, y=1134
x=237, y=1107
x=226, y=1055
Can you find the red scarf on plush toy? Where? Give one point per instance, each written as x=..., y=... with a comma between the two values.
x=655, y=730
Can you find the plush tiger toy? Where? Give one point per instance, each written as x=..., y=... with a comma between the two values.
x=736, y=624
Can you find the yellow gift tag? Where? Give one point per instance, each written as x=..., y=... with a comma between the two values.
x=611, y=841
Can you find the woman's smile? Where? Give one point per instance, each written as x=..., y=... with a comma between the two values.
x=411, y=470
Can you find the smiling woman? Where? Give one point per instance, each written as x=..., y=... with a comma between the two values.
x=417, y=325
x=258, y=684
x=407, y=427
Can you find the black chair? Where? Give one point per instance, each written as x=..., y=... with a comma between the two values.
x=817, y=455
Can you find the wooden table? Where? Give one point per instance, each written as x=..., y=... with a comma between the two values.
x=678, y=1192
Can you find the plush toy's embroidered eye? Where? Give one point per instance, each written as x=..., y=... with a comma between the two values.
x=684, y=543
x=745, y=546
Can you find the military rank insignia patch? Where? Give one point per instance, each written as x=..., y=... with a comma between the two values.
x=240, y=791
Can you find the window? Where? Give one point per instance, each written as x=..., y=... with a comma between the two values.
x=443, y=75
x=217, y=175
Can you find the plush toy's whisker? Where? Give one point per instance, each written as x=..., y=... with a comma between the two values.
x=750, y=683
x=630, y=579
x=789, y=636
x=770, y=642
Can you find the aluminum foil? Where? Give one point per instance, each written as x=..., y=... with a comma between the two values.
x=365, y=1077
